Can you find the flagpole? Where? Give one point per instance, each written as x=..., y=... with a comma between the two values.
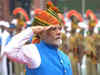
x=83, y=8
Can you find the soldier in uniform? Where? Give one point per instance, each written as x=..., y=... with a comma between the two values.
x=73, y=40
x=97, y=44
x=22, y=18
x=89, y=58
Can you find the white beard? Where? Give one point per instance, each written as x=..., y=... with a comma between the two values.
x=57, y=42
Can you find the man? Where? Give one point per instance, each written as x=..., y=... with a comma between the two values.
x=74, y=40
x=4, y=36
x=44, y=57
x=11, y=31
x=89, y=66
x=21, y=18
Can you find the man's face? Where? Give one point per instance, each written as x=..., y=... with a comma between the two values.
x=53, y=35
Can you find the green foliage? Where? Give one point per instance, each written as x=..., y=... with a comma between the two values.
x=77, y=4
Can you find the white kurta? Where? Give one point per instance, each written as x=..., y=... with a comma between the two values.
x=4, y=37
x=17, y=51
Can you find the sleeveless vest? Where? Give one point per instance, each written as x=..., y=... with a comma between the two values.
x=53, y=62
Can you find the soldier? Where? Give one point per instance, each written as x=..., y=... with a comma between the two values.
x=89, y=58
x=97, y=44
x=22, y=18
x=4, y=36
x=73, y=40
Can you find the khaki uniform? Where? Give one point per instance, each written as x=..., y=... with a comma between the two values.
x=90, y=52
x=19, y=68
x=73, y=54
x=97, y=44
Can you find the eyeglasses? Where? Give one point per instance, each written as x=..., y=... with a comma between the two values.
x=56, y=28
